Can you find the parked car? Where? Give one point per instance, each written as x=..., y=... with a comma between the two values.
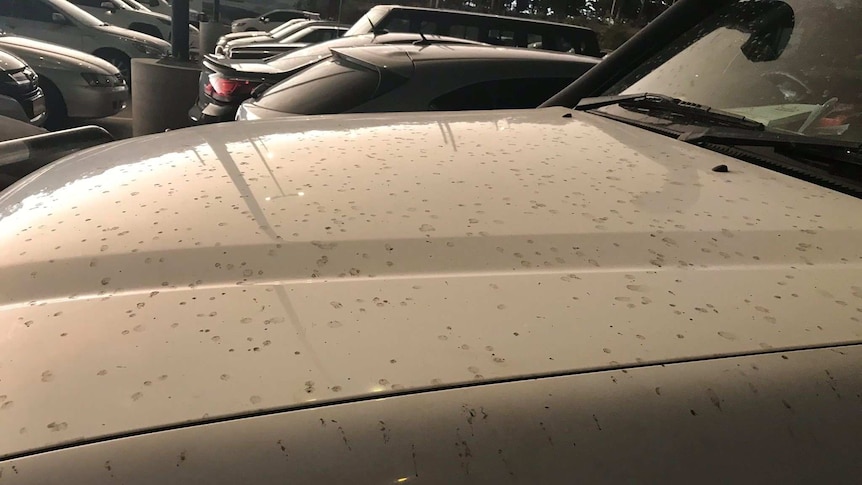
x=21, y=97
x=60, y=22
x=76, y=84
x=490, y=29
x=271, y=20
x=270, y=37
x=376, y=79
x=226, y=83
x=304, y=38
x=641, y=292
x=121, y=14
x=223, y=40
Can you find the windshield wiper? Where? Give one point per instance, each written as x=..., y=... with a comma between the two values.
x=652, y=103
x=833, y=150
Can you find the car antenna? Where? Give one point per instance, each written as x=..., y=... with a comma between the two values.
x=373, y=28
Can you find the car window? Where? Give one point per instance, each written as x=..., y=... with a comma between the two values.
x=317, y=35
x=283, y=16
x=32, y=10
x=501, y=37
x=428, y=27
x=464, y=32
x=398, y=24
x=332, y=86
x=501, y=94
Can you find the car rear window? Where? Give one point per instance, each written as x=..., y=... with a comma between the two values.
x=332, y=86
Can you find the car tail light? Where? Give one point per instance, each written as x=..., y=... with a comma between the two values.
x=226, y=89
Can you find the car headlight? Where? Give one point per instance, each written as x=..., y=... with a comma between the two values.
x=101, y=80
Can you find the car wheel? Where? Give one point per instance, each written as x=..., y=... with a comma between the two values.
x=119, y=60
x=55, y=104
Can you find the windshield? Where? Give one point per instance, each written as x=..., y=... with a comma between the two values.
x=363, y=25
x=781, y=63
x=75, y=13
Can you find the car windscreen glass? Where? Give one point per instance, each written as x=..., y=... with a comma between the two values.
x=364, y=24
x=330, y=87
x=789, y=64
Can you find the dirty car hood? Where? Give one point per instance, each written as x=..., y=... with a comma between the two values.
x=226, y=269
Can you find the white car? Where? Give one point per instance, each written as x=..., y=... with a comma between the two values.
x=60, y=22
x=303, y=38
x=639, y=290
x=76, y=84
x=276, y=35
x=122, y=14
x=223, y=40
x=270, y=20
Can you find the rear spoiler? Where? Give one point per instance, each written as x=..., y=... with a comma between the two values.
x=21, y=156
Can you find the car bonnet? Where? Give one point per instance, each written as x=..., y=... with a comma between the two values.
x=57, y=55
x=236, y=268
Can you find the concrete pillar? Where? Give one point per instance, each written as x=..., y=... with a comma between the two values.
x=210, y=33
x=163, y=91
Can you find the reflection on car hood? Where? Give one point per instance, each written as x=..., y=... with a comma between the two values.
x=224, y=269
x=133, y=35
x=269, y=45
x=10, y=62
x=36, y=52
x=249, y=40
x=242, y=35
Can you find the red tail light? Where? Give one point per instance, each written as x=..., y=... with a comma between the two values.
x=226, y=89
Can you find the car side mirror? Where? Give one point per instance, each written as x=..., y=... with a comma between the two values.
x=106, y=5
x=59, y=18
x=263, y=19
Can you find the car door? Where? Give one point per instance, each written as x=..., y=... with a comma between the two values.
x=37, y=19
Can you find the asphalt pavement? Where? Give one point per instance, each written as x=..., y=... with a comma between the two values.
x=119, y=125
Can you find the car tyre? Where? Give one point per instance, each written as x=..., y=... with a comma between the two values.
x=119, y=60
x=58, y=115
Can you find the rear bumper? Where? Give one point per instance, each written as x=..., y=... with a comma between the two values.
x=203, y=113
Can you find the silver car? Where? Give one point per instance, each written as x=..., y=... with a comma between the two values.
x=76, y=84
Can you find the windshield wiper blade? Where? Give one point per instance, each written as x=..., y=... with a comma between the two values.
x=831, y=150
x=734, y=136
x=660, y=102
